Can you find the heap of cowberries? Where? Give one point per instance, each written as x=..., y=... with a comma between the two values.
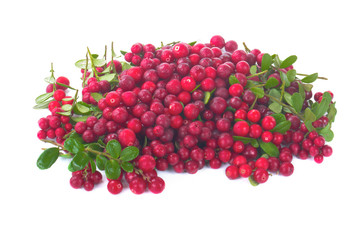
x=181, y=107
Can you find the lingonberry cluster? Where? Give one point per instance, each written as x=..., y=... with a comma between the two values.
x=185, y=106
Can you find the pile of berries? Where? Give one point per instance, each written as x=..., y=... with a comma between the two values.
x=186, y=106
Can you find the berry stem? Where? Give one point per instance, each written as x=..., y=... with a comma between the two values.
x=258, y=74
x=85, y=71
x=302, y=74
x=285, y=105
x=246, y=48
x=92, y=64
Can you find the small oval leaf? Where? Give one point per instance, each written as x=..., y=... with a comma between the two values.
x=288, y=61
x=282, y=127
x=269, y=148
x=309, y=79
x=47, y=158
x=43, y=97
x=266, y=62
x=112, y=169
x=113, y=147
x=129, y=153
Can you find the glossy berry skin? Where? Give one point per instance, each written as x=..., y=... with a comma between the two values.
x=76, y=181
x=156, y=185
x=146, y=163
x=260, y=175
x=243, y=67
x=137, y=185
x=180, y=50
x=268, y=123
x=241, y=128
x=262, y=163
x=326, y=151
x=192, y=166
x=115, y=186
x=217, y=41
x=232, y=172
x=319, y=158
x=113, y=99
x=267, y=136
x=191, y=111
x=236, y=90
x=245, y=170
x=286, y=169
x=253, y=115
x=88, y=185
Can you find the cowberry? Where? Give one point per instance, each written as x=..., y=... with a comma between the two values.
x=232, y=172
x=268, y=123
x=286, y=169
x=260, y=175
x=156, y=185
x=245, y=170
x=137, y=185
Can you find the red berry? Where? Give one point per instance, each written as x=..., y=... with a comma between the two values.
x=146, y=163
x=326, y=151
x=156, y=185
x=260, y=175
x=243, y=67
x=241, y=128
x=115, y=186
x=76, y=181
x=268, y=123
x=113, y=99
x=217, y=41
x=319, y=158
x=137, y=185
x=232, y=172
x=245, y=170
x=286, y=169
x=236, y=90
x=262, y=163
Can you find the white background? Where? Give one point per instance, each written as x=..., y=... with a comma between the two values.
x=317, y=202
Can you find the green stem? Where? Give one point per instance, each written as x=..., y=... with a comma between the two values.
x=258, y=74
x=85, y=71
x=85, y=150
x=253, y=104
x=285, y=105
x=92, y=64
x=246, y=48
x=302, y=74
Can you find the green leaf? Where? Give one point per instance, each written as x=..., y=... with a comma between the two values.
x=43, y=97
x=332, y=113
x=112, y=169
x=108, y=77
x=68, y=113
x=43, y=105
x=207, y=97
x=266, y=62
x=284, y=78
x=50, y=80
x=275, y=107
x=309, y=115
x=309, y=125
x=279, y=117
x=82, y=64
x=113, y=147
x=282, y=127
x=192, y=43
x=97, y=96
x=127, y=166
x=73, y=145
x=93, y=166
x=288, y=61
x=291, y=75
x=288, y=98
x=327, y=133
x=79, y=162
x=324, y=105
x=125, y=66
x=233, y=80
x=277, y=61
x=301, y=90
x=297, y=102
x=79, y=119
x=67, y=155
x=66, y=107
x=253, y=69
x=99, y=62
x=252, y=181
x=274, y=93
x=307, y=87
x=82, y=108
x=101, y=162
x=246, y=140
x=129, y=153
x=309, y=79
x=47, y=158
x=259, y=92
x=271, y=82
x=269, y=148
